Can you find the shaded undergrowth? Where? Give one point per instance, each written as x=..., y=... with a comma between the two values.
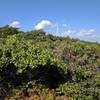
x=50, y=76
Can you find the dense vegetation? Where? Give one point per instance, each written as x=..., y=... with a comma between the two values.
x=37, y=65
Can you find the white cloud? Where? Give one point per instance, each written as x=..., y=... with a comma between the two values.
x=64, y=30
x=68, y=32
x=84, y=33
x=64, y=25
x=15, y=24
x=43, y=24
x=71, y=33
x=89, y=33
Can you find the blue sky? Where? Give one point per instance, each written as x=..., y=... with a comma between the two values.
x=76, y=18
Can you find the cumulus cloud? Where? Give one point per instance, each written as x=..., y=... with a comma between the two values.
x=15, y=24
x=43, y=24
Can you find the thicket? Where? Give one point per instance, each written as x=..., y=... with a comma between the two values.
x=47, y=65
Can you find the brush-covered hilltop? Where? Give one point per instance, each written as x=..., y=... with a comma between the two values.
x=39, y=66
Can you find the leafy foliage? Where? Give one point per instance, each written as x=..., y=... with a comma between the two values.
x=7, y=30
x=72, y=64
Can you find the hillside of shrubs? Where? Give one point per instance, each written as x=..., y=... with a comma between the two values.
x=36, y=65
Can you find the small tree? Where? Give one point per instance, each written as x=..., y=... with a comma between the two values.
x=7, y=30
